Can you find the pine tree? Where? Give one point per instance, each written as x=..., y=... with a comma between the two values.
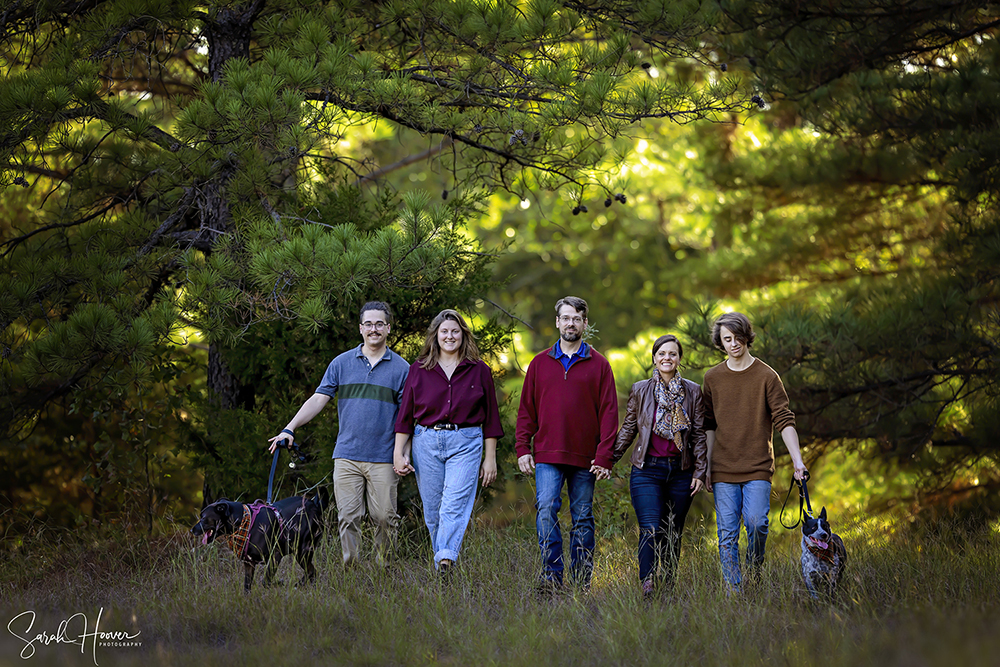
x=184, y=164
x=887, y=220
x=851, y=211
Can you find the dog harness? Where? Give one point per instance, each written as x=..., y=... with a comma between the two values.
x=240, y=538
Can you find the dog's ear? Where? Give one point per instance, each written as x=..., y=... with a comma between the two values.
x=822, y=513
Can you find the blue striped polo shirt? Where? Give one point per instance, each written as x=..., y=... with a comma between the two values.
x=367, y=403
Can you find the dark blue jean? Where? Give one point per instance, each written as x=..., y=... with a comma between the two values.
x=549, y=479
x=661, y=496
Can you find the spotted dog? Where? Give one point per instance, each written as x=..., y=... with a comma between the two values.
x=263, y=534
x=823, y=556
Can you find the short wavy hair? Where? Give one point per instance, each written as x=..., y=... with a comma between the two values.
x=574, y=302
x=739, y=324
x=376, y=305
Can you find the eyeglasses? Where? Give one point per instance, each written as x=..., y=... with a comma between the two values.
x=563, y=319
x=368, y=326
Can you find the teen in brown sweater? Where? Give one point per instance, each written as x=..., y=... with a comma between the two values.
x=744, y=403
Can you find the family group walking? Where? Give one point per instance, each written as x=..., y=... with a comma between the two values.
x=439, y=418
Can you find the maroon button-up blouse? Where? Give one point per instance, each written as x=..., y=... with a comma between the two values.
x=468, y=399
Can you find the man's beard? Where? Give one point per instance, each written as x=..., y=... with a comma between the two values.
x=570, y=337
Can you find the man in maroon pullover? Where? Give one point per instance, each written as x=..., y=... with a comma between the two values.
x=566, y=427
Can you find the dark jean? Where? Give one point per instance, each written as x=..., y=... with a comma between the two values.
x=661, y=496
x=549, y=479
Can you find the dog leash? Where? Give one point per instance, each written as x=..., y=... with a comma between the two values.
x=803, y=498
x=274, y=463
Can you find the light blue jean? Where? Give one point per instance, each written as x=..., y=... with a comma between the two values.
x=751, y=502
x=446, y=464
x=549, y=480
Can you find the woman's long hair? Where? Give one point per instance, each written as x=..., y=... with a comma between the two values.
x=431, y=351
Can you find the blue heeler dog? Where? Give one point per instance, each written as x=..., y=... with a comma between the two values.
x=823, y=556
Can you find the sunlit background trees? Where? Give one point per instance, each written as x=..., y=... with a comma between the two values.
x=198, y=196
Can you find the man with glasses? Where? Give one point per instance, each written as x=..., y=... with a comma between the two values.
x=369, y=380
x=566, y=426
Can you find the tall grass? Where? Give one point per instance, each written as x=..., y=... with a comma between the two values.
x=909, y=598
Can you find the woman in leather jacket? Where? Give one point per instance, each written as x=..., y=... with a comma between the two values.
x=669, y=461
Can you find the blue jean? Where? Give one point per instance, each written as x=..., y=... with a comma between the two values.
x=446, y=464
x=661, y=496
x=751, y=501
x=549, y=479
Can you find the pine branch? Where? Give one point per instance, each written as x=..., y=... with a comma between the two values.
x=101, y=111
x=405, y=162
x=16, y=241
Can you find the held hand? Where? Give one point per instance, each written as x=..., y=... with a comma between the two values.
x=526, y=464
x=401, y=464
x=276, y=441
x=488, y=473
x=599, y=472
x=696, y=486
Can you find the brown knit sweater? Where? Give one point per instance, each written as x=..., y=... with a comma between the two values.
x=744, y=408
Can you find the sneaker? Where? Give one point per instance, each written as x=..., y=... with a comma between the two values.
x=648, y=589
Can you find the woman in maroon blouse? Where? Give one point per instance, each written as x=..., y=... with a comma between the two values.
x=449, y=406
x=669, y=460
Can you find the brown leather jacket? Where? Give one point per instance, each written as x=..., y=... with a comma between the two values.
x=640, y=416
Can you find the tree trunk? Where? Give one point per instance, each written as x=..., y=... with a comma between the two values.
x=228, y=33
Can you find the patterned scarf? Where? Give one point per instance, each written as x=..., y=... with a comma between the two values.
x=238, y=540
x=671, y=418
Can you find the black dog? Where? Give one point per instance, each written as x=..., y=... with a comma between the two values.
x=264, y=534
x=823, y=556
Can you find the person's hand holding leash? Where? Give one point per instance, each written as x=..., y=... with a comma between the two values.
x=286, y=436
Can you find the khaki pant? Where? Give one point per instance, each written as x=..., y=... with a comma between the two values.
x=353, y=482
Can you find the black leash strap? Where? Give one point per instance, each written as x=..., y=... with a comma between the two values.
x=274, y=463
x=803, y=498
x=804, y=493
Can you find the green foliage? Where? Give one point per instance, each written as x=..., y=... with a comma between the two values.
x=107, y=457
x=850, y=212
x=419, y=264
